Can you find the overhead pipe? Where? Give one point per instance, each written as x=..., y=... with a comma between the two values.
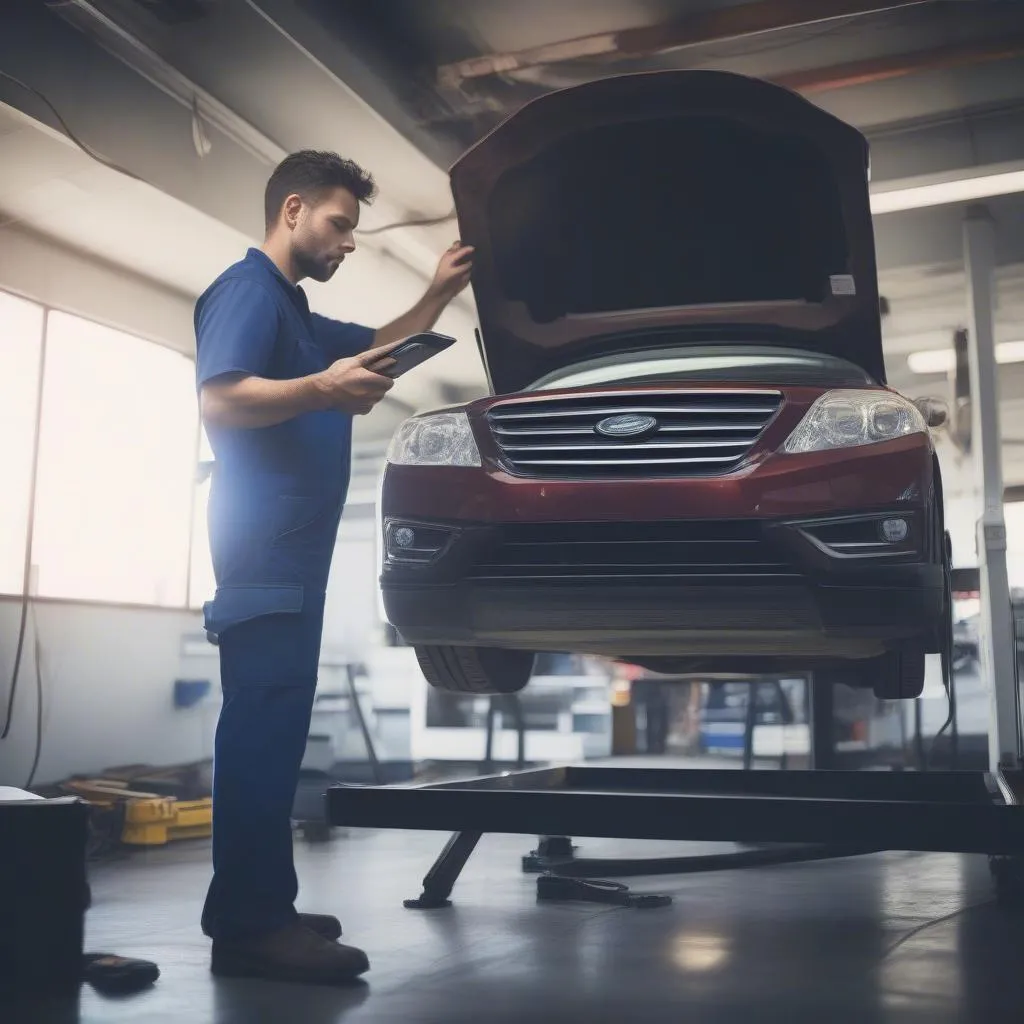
x=714, y=26
x=900, y=65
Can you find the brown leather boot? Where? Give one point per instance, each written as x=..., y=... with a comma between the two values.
x=324, y=925
x=293, y=953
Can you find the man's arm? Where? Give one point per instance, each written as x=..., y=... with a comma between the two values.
x=453, y=272
x=236, y=329
x=252, y=402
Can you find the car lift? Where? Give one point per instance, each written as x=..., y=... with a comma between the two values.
x=828, y=813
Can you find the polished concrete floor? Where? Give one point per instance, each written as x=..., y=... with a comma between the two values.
x=893, y=937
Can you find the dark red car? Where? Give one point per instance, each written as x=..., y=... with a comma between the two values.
x=690, y=459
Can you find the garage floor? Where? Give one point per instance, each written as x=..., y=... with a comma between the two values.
x=885, y=938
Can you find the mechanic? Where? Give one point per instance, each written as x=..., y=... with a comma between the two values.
x=278, y=388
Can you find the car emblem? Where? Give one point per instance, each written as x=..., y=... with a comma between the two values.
x=627, y=425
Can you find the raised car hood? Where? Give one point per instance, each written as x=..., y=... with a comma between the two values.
x=666, y=206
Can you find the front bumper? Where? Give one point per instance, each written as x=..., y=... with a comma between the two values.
x=809, y=588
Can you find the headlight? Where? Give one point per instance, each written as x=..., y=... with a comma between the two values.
x=440, y=439
x=844, y=419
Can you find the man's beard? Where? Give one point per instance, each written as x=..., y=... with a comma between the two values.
x=315, y=267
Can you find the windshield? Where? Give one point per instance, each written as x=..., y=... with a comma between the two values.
x=765, y=365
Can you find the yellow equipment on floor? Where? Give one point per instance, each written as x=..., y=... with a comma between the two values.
x=149, y=819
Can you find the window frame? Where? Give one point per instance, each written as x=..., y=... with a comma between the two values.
x=34, y=443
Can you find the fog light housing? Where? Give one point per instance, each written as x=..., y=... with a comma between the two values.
x=414, y=543
x=894, y=531
x=855, y=538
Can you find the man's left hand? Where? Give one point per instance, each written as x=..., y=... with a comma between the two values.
x=452, y=275
x=453, y=272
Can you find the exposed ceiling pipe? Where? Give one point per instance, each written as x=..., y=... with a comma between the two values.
x=693, y=30
x=900, y=65
x=879, y=69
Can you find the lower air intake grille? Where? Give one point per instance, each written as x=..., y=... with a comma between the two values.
x=660, y=433
x=698, y=550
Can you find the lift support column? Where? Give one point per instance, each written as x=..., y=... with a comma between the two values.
x=997, y=641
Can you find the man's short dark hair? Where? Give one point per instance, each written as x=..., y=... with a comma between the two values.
x=309, y=173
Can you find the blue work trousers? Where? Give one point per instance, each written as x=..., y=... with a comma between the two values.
x=268, y=677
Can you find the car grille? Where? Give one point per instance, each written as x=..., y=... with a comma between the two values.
x=698, y=433
x=699, y=550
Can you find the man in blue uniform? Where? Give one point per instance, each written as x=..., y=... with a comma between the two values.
x=278, y=388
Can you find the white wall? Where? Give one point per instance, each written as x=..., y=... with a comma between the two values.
x=39, y=269
x=108, y=682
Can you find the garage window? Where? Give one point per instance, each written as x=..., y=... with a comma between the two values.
x=116, y=467
x=21, y=336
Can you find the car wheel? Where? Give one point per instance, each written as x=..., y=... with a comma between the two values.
x=482, y=670
x=899, y=675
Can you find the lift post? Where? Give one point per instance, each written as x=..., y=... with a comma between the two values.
x=844, y=813
x=997, y=641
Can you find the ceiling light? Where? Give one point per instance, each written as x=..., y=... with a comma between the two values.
x=936, y=360
x=943, y=360
x=1010, y=352
x=937, y=190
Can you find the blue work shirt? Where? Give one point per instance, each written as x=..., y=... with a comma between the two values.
x=277, y=492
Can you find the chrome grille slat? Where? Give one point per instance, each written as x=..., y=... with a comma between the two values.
x=647, y=447
x=697, y=432
x=697, y=428
x=623, y=462
x=631, y=407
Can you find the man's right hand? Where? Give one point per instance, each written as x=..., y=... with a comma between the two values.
x=357, y=384
x=353, y=385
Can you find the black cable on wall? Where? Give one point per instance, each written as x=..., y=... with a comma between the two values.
x=26, y=588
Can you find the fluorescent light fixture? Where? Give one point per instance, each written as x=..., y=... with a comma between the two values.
x=943, y=360
x=966, y=185
x=1010, y=352
x=936, y=360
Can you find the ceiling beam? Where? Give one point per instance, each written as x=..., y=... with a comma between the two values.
x=900, y=65
x=712, y=26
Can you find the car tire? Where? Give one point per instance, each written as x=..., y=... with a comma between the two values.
x=479, y=670
x=899, y=675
